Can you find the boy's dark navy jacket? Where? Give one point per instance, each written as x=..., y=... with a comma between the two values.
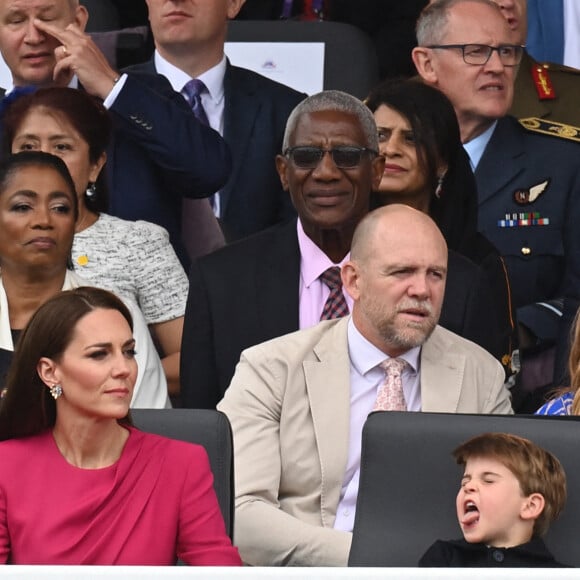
x=462, y=554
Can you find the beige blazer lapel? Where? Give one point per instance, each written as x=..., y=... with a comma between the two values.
x=442, y=375
x=328, y=388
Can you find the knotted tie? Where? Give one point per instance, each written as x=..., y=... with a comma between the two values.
x=191, y=209
x=390, y=396
x=192, y=92
x=335, y=306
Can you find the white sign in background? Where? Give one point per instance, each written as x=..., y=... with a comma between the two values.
x=299, y=65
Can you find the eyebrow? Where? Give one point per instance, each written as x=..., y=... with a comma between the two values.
x=484, y=474
x=130, y=342
x=36, y=137
x=390, y=128
x=19, y=10
x=30, y=194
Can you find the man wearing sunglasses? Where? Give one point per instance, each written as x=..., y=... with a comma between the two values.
x=267, y=285
x=287, y=278
x=528, y=182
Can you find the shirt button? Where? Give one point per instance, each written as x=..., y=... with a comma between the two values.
x=498, y=556
x=346, y=513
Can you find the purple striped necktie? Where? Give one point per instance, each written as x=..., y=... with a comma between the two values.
x=192, y=92
x=191, y=208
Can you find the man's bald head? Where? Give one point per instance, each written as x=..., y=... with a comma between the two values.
x=391, y=221
x=396, y=277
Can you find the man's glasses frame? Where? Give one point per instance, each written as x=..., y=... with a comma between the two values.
x=343, y=156
x=479, y=54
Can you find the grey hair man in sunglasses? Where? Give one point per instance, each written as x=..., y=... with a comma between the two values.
x=527, y=172
x=288, y=278
x=268, y=284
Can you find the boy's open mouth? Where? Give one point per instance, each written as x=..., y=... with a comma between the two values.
x=470, y=513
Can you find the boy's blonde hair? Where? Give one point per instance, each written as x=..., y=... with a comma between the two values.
x=536, y=470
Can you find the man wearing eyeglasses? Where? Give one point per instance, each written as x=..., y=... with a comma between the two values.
x=528, y=183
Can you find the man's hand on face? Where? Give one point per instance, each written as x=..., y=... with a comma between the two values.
x=79, y=55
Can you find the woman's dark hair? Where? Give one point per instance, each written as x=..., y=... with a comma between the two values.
x=14, y=163
x=28, y=407
x=437, y=138
x=85, y=113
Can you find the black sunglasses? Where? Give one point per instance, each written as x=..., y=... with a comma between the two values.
x=344, y=156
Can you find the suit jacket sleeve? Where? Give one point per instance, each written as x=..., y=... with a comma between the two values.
x=194, y=158
x=264, y=533
x=199, y=381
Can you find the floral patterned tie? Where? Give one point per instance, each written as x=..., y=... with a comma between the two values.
x=390, y=396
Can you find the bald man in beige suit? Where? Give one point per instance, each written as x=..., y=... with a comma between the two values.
x=297, y=403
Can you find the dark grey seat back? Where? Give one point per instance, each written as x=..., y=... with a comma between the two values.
x=204, y=427
x=409, y=481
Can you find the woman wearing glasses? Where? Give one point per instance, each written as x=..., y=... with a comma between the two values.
x=427, y=168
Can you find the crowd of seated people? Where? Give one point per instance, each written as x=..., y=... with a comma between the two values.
x=132, y=258
x=372, y=254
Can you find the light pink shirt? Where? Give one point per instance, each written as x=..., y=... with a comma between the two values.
x=313, y=292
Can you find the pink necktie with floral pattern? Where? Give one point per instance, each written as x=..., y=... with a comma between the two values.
x=390, y=396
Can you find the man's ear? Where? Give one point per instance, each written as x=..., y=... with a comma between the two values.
x=423, y=60
x=281, y=167
x=81, y=17
x=378, y=172
x=234, y=6
x=350, y=279
x=532, y=507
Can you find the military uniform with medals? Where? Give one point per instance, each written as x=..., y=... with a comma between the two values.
x=529, y=207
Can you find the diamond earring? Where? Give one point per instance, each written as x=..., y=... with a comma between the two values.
x=56, y=391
